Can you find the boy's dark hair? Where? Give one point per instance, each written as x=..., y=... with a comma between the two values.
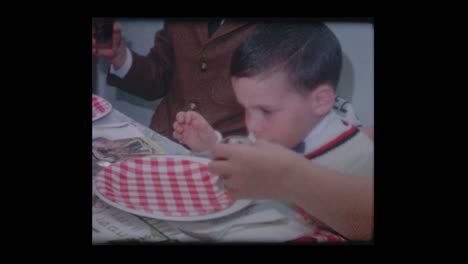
x=309, y=53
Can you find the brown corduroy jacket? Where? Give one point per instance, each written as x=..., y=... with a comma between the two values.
x=192, y=71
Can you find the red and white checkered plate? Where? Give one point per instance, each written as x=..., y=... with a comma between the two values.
x=174, y=188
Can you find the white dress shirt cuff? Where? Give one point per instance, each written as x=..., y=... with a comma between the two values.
x=125, y=67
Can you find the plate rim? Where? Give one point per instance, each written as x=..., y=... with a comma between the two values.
x=101, y=115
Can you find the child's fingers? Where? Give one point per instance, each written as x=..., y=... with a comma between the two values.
x=178, y=128
x=180, y=117
x=228, y=151
x=200, y=122
x=230, y=188
x=178, y=136
x=221, y=167
x=190, y=117
x=196, y=123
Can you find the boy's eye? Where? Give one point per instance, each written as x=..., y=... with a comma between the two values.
x=265, y=111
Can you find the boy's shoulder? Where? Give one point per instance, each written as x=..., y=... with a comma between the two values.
x=354, y=156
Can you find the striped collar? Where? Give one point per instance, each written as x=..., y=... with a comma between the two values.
x=329, y=133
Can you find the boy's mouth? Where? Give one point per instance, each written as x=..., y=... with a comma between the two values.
x=248, y=140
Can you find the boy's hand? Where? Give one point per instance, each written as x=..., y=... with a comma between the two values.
x=257, y=171
x=191, y=129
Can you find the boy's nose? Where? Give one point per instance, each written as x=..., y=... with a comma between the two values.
x=252, y=125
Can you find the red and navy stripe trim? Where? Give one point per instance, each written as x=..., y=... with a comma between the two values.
x=334, y=143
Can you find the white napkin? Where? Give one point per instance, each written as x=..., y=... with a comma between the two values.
x=286, y=230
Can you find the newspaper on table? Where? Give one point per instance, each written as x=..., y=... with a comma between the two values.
x=111, y=224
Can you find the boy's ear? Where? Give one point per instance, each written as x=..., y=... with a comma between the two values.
x=322, y=99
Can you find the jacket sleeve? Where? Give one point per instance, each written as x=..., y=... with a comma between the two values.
x=149, y=76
